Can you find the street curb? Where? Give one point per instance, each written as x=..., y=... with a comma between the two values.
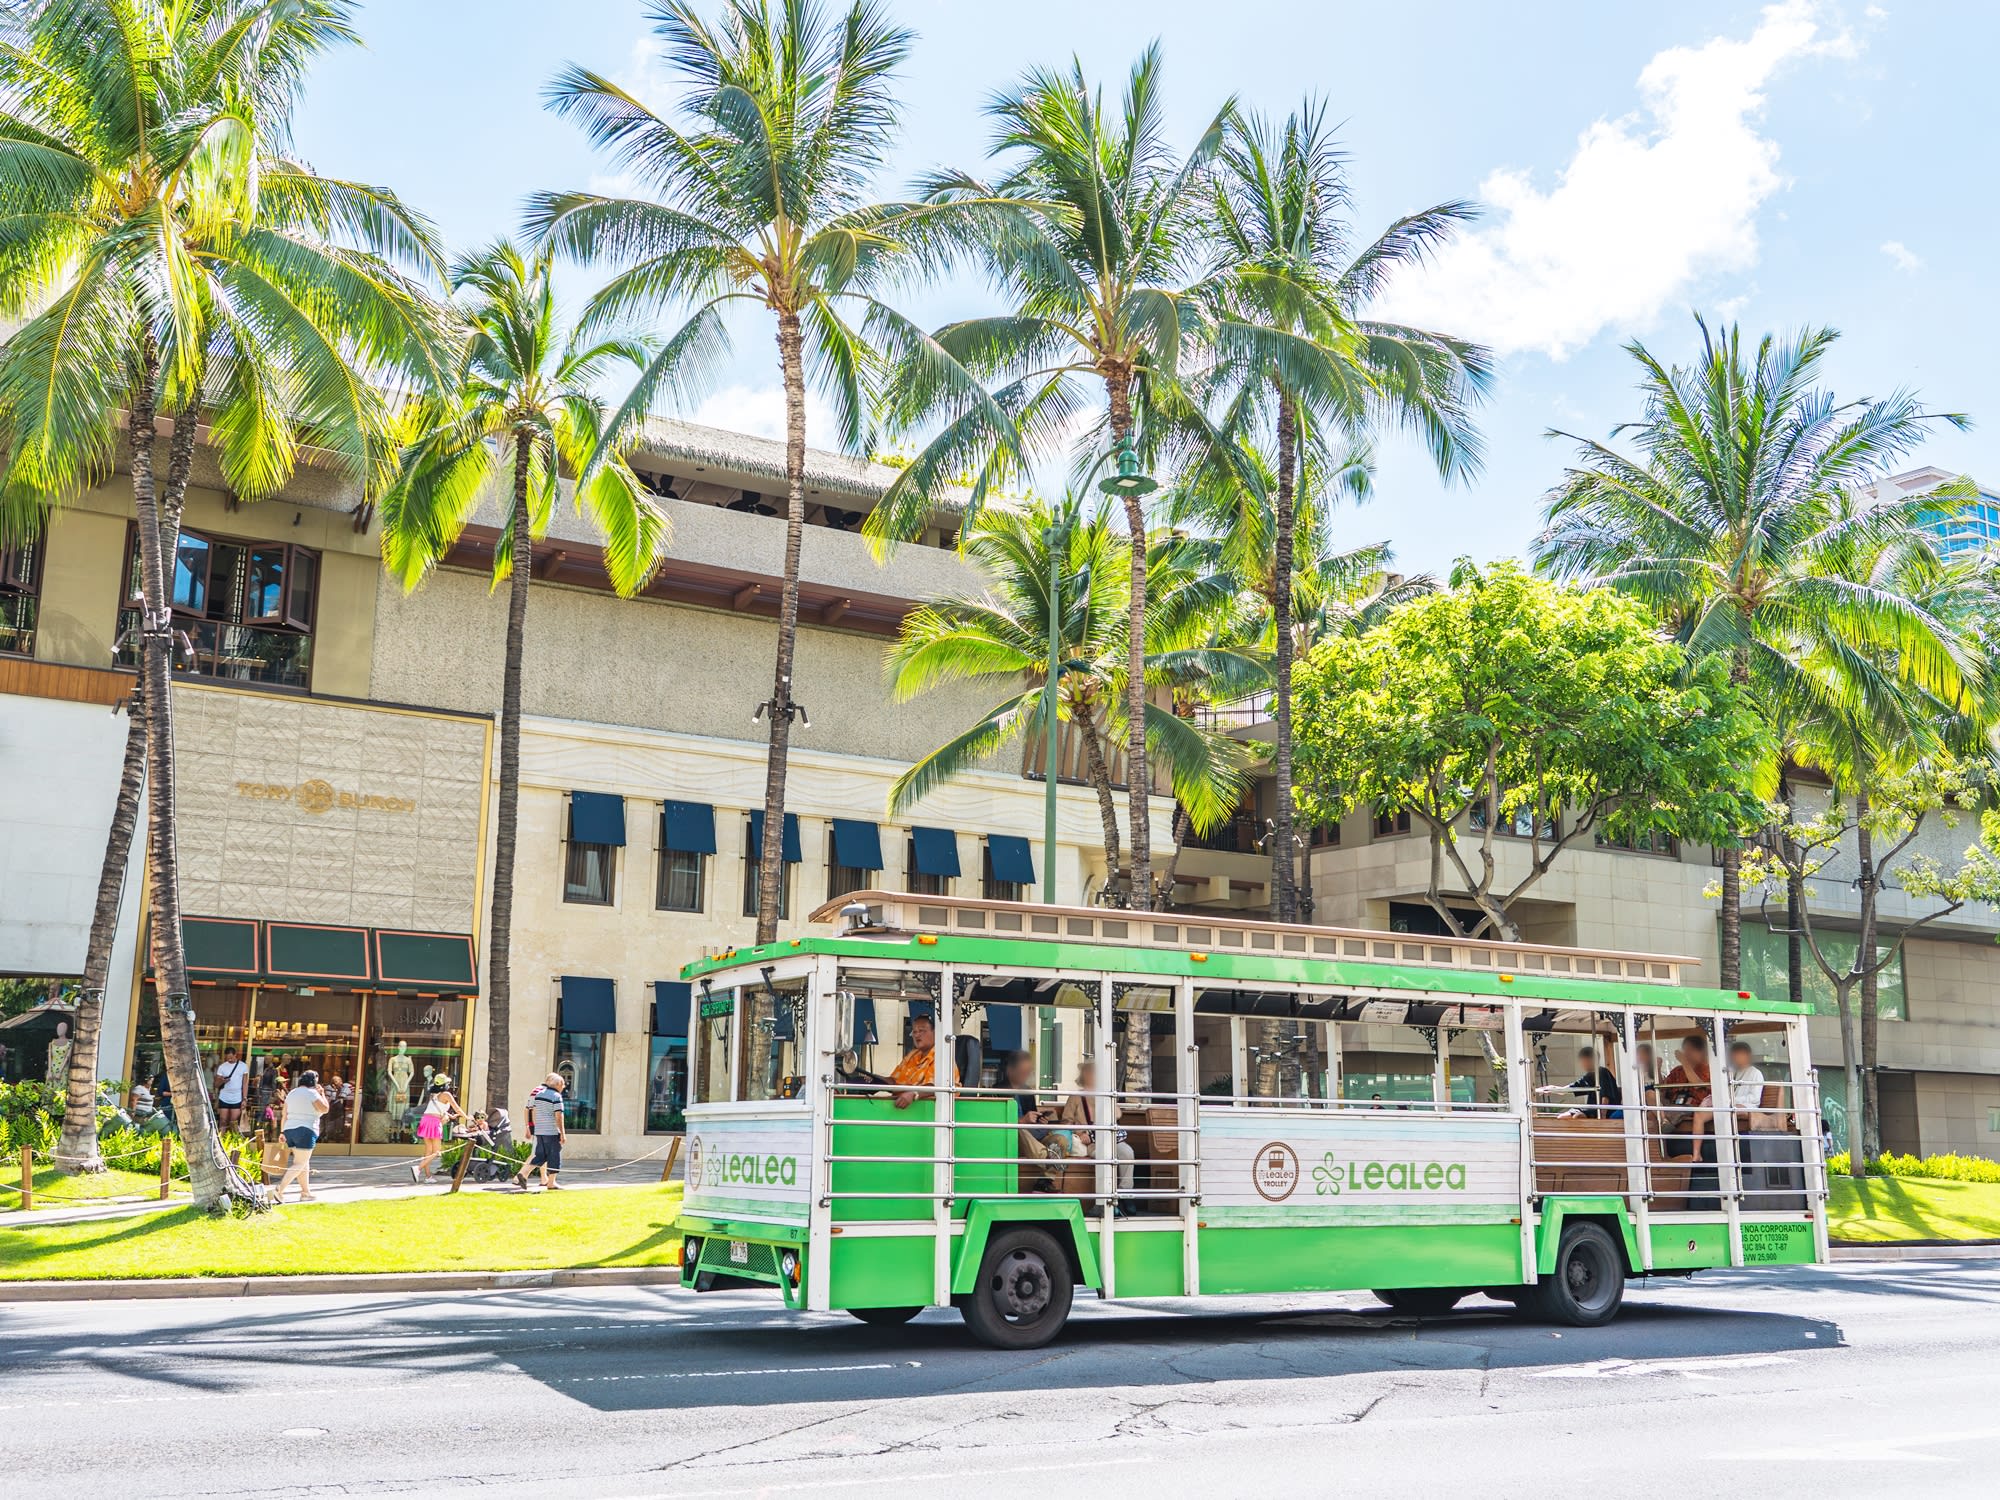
x=1918, y=1250
x=308, y=1286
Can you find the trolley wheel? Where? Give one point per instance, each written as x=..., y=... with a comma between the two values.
x=1023, y=1294
x=1587, y=1286
x=1423, y=1301
x=884, y=1317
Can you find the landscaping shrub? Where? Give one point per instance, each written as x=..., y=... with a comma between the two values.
x=1948, y=1168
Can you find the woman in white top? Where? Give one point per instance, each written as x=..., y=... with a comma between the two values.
x=231, y=1074
x=304, y=1105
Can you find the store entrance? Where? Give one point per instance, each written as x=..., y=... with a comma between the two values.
x=321, y=1031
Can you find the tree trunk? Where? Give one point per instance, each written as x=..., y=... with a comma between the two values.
x=771, y=866
x=1085, y=718
x=213, y=1179
x=500, y=935
x=1731, y=955
x=1795, y=899
x=1850, y=1067
x=1284, y=857
x=1138, y=780
x=1169, y=872
x=77, y=1150
x=1864, y=957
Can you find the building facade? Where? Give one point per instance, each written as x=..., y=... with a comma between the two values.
x=335, y=763
x=1974, y=527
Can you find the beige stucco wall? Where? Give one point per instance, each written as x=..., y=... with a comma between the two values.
x=649, y=664
x=252, y=845
x=632, y=942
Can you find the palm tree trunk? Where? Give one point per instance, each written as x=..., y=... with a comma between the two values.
x=1138, y=782
x=771, y=868
x=1085, y=719
x=1850, y=1067
x=500, y=939
x=1864, y=955
x=77, y=1150
x=214, y=1181
x=1284, y=890
x=1795, y=899
x=1731, y=955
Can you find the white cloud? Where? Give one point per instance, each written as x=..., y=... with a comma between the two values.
x=1647, y=203
x=1907, y=260
x=760, y=411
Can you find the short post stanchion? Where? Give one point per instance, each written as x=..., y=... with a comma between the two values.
x=166, y=1167
x=464, y=1161
x=673, y=1155
x=27, y=1178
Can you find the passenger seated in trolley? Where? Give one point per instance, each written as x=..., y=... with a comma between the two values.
x=1080, y=1109
x=1598, y=1087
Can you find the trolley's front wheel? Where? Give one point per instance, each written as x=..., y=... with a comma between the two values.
x=884, y=1317
x=1023, y=1294
x=1423, y=1301
x=1587, y=1286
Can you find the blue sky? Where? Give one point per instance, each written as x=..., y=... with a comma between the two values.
x=1793, y=163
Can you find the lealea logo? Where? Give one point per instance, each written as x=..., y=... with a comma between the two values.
x=1331, y=1177
x=1275, y=1173
x=694, y=1161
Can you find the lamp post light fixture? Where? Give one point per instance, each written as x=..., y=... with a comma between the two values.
x=1056, y=539
x=1130, y=480
x=790, y=707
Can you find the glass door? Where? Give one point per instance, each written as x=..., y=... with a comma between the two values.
x=412, y=1042
x=318, y=1029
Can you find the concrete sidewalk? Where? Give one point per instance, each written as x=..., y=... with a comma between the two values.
x=168, y=1287
x=351, y=1179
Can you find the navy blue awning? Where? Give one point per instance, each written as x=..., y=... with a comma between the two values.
x=937, y=851
x=596, y=818
x=864, y=1021
x=688, y=827
x=1003, y=1028
x=791, y=837
x=671, y=1002
x=1011, y=858
x=586, y=1005
x=856, y=846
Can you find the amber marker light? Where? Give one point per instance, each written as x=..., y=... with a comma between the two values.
x=929, y=940
x=1200, y=958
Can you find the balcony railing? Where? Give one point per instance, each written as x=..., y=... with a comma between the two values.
x=228, y=653
x=18, y=613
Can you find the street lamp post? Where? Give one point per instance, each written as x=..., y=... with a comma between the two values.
x=1056, y=538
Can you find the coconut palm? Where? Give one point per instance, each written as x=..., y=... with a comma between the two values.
x=164, y=252
x=762, y=200
x=1281, y=204
x=1003, y=634
x=523, y=412
x=1728, y=521
x=1098, y=237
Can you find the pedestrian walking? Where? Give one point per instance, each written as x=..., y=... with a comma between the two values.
x=304, y=1105
x=231, y=1074
x=545, y=1119
x=440, y=1109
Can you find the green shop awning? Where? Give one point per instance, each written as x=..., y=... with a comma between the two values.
x=308, y=953
x=441, y=962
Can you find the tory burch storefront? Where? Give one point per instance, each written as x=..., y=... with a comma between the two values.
x=331, y=857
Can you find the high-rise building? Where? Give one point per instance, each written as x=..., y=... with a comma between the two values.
x=1970, y=528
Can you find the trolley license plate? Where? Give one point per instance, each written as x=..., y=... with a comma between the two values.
x=739, y=1252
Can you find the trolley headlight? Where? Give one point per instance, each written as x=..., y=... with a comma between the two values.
x=690, y=1255
x=788, y=1267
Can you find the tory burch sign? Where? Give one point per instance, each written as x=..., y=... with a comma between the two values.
x=322, y=797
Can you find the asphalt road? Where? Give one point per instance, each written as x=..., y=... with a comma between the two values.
x=1878, y=1379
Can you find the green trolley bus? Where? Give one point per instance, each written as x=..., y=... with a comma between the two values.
x=999, y=1107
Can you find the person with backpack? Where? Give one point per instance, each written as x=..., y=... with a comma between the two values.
x=545, y=1120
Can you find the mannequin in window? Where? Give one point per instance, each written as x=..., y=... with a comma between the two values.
x=401, y=1069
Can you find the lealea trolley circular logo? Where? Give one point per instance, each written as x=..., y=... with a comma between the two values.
x=694, y=1161
x=315, y=796
x=1275, y=1172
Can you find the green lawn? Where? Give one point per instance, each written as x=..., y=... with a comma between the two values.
x=1879, y=1209
x=472, y=1231
x=61, y=1190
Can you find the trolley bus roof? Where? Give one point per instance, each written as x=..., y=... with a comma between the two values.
x=1009, y=935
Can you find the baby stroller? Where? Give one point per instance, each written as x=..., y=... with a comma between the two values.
x=497, y=1138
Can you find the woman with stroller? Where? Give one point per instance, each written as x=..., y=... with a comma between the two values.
x=440, y=1109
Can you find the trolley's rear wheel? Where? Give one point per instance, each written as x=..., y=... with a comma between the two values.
x=1022, y=1298
x=1586, y=1286
x=1423, y=1301
x=884, y=1317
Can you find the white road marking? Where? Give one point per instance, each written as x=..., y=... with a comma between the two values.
x=1874, y=1450
x=1692, y=1367
x=680, y=1490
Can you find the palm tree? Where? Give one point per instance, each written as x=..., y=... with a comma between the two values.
x=1097, y=235
x=522, y=413
x=762, y=199
x=1281, y=206
x=1004, y=634
x=165, y=252
x=1727, y=518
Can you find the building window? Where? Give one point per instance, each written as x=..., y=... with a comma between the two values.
x=1766, y=969
x=246, y=608
x=993, y=888
x=682, y=877
x=580, y=1060
x=753, y=848
x=587, y=873
x=931, y=861
x=840, y=879
x=751, y=868
x=1641, y=843
x=20, y=596
x=595, y=834
x=1522, y=823
x=1388, y=825
x=1324, y=836
x=666, y=1085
